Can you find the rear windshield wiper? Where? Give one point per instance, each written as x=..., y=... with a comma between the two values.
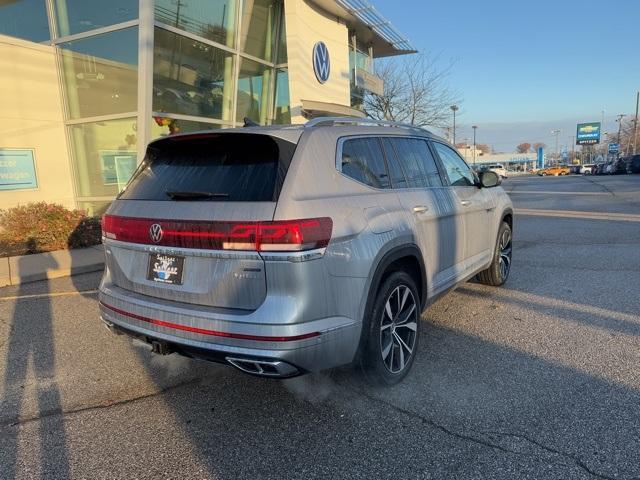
x=195, y=195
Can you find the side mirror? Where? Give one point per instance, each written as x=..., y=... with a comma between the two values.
x=489, y=179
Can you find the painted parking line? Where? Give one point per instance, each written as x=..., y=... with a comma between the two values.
x=50, y=295
x=618, y=217
x=551, y=192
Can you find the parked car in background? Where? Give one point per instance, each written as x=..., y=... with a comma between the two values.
x=286, y=250
x=619, y=167
x=587, y=169
x=633, y=164
x=609, y=167
x=498, y=168
x=598, y=169
x=574, y=169
x=556, y=171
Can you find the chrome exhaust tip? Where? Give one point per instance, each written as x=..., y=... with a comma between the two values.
x=264, y=368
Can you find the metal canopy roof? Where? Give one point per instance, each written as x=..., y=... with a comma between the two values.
x=369, y=25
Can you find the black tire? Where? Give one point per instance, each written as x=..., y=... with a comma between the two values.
x=498, y=272
x=380, y=331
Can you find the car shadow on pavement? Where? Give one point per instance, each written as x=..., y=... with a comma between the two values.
x=468, y=404
x=558, y=307
x=30, y=371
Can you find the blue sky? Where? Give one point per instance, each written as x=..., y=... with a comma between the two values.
x=525, y=68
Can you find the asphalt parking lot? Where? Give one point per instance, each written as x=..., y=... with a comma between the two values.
x=539, y=379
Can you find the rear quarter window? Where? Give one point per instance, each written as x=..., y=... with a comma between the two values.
x=229, y=167
x=362, y=160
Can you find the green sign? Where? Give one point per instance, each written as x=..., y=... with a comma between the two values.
x=17, y=169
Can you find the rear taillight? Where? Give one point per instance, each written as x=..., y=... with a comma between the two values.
x=276, y=236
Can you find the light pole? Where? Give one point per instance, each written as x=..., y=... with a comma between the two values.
x=475, y=127
x=635, y=124
x=454, y=109
x=601, y=129
x=556, y=133
x=619, y=120
x=465, y=141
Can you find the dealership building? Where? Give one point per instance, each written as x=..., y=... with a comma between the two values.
x=86, y=84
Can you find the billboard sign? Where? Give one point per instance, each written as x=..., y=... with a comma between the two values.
x=17, y=169
x=588, y=133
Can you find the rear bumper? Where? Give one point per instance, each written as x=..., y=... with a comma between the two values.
x=218, y=336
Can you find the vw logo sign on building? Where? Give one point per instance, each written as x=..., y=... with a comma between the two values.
x=321, y=62
x=155, y=232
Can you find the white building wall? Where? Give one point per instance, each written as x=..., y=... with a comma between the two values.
x=306, y=25
x=31, y=117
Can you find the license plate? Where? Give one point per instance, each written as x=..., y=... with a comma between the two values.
x=165, y=268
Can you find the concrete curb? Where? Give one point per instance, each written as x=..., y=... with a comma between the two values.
x=41, y=266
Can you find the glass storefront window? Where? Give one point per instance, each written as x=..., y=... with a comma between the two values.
x=190, y=77
x=360, y=60
x=162, y=126
x=94, y=209
x=258, y=33
x=253, y=91
x=211, y=19
x=282, y=40
x=76, y=16
x=282, y=112
x=100, y=74
x=105, y=155
x=25, y=19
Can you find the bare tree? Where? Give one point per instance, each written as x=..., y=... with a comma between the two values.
x=627, y=141
x=538, y=145
x=415, y=92
x=484, y=148
x=523, y=147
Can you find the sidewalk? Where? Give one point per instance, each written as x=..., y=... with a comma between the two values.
x=61, y=263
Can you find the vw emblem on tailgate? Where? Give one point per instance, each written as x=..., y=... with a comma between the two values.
x=155, y=232
x=321, y=62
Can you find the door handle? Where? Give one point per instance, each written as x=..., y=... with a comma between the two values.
x=420, y=209
x=465, y=203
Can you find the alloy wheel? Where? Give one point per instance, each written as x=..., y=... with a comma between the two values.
x=398, y=329
x=505, y=249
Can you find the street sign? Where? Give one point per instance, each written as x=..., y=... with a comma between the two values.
x=614, y=147
x=588, y=133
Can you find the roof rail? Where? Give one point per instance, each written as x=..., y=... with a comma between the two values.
x=334, y=121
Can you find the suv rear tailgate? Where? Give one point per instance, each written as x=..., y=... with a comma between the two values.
x=162, y=235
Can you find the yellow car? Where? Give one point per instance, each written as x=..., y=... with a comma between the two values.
x=557, y=170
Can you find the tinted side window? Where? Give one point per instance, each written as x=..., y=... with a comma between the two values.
x=459, y=173
x=398, y=178
x=409, y=159
x=363, y=161
x=429, y=166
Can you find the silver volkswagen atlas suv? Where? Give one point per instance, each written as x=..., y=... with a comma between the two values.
x=291, y=249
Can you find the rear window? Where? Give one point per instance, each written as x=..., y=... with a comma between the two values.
x=236, y=167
